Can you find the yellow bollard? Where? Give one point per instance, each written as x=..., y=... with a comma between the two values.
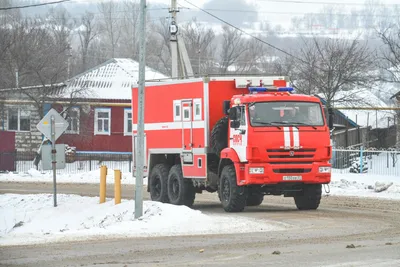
x=117, y=186
x=103, y=184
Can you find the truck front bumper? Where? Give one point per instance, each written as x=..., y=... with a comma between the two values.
x=269, y=173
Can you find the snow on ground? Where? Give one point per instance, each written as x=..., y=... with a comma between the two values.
x=91, y=177
x=27, y=219
x=362, y=185
x=348, y=184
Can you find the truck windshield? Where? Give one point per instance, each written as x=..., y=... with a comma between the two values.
x=285, y=113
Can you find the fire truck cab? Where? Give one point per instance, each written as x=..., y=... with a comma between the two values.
x=241, y=137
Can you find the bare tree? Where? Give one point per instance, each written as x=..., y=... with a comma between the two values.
x=254, y=58
x=329, y=66
x=232, y=47
x=111, y=24
x=390, y=63
x=199, y=42
x=129, y=24
x=390, y=60
x=87, y=31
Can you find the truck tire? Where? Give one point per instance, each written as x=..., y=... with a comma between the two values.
x=158, y=183
x=219, y=136
x=181, y=191
x=232, y=196
x=309, y=198
x=254, y=199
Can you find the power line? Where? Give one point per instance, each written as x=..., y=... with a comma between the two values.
x=242, y=31
x=34, y=5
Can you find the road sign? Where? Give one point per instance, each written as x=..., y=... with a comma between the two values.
x=44, y=126
x=47, y=157
x=52, y=126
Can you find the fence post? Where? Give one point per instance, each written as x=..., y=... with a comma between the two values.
x=130, y=163
x=90, y=162
x=117, y=186
x=103, y=183
x=361, y=159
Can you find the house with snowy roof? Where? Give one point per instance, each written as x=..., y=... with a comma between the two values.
x=96, y=103
x=102, y=121
x=361, y=109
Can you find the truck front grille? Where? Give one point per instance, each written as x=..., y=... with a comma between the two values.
x=291, y=154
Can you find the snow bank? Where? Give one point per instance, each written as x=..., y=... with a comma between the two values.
x=361, y=185
x=26, y=219
x=91, y=177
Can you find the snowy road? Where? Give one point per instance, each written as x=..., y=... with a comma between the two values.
x=315, y=238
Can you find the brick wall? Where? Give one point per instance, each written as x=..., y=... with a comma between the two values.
x=25, y=140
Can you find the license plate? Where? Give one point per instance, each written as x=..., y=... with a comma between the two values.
x=292, y=178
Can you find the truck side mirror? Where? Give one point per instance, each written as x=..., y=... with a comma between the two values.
x=233, y=113
x=331, y=117
x=235, y=124
x=226, y=106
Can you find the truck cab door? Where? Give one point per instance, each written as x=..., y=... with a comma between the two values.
x=238, y=136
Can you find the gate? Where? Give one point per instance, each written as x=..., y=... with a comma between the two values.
x=7, y=151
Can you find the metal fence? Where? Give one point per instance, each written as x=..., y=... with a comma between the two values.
x=369, y=161
x=375, y=162
x=77, y=163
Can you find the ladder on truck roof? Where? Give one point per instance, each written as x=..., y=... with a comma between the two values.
x=244, y=82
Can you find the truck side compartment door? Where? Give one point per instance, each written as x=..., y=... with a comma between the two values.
x=187, y=125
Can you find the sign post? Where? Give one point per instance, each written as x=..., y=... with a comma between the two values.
x=53, y=131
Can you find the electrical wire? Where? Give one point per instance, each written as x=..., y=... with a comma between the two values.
x=34, y=5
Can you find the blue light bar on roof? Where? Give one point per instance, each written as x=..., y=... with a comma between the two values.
x=265, y=89
x=285, y=89
x=257, y=89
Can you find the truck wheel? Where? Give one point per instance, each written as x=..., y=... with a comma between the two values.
x=254, y=199
x=219, y=136
x=158, y=183
x=309, y=198
x=180, y=190
x=232, y=196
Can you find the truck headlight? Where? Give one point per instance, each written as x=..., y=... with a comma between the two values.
x=258, y=170
x=324, y=169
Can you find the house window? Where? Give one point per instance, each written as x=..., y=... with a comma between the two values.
x=19, y=120
x=102, y=121
x=177, y=110
x=73, y=116
x=128, y=121
x=197, y=109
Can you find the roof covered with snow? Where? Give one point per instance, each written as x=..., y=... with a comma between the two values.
x=364, y=98
x=111, y=80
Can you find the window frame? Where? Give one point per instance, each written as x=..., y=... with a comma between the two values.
x=189, y=109
x=18, y=120
x=96, y=112
x=177, y=104
x=78, y=121
x=197, y=102
x=126, y=123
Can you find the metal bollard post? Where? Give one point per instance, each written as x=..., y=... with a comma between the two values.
x=103, y=184
x=117, y=186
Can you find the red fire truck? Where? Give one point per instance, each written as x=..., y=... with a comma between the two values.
x=241, y=137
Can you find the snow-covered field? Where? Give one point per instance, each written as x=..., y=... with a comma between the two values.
x=27, y=219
